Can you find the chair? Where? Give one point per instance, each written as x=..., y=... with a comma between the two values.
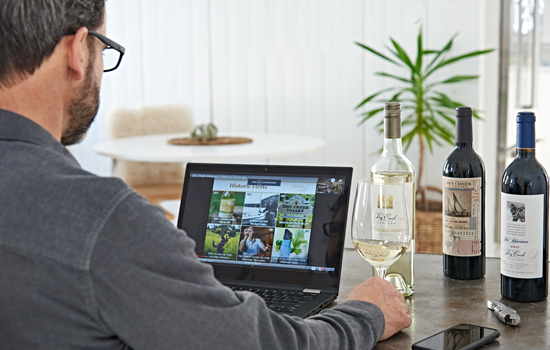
x=155, y=181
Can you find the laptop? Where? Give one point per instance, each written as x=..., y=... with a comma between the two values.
x=277, y=231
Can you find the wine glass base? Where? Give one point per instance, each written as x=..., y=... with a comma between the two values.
x=400, y=284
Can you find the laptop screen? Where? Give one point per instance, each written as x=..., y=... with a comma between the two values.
x=272, y=224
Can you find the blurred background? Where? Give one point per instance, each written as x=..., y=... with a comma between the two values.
x=292, y=66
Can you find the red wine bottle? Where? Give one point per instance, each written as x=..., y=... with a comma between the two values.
x=464, y=205
x=524, y=220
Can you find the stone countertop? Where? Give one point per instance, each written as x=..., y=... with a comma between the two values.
x=440, y=302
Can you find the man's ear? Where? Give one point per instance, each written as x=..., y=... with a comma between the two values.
x=78, y=53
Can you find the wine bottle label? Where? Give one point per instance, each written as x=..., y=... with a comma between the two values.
x=522, y=232
x=389, y=214
x=462, y=210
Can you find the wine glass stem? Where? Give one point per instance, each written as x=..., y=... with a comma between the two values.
x=381, y=272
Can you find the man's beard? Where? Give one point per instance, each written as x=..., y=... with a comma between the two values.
x=83, y=109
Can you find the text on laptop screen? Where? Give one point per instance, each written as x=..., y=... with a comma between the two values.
x=264, y=220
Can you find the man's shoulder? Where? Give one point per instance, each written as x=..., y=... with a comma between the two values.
x=53, y=208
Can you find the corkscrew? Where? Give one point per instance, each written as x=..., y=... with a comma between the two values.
x=504, y=313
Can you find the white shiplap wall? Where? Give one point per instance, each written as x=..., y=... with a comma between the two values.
x=278, y=65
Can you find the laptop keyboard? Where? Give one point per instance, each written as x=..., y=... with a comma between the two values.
x=280, y=300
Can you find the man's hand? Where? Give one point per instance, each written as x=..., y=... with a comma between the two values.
x=384, y=295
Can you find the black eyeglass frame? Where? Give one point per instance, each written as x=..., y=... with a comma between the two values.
x=110, y=45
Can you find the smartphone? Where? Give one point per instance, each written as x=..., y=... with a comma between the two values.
x=462, y=336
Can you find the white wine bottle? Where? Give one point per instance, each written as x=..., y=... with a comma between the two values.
x=391, y=166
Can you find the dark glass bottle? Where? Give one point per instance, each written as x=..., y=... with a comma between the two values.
x=524, y=220
x=464, y=205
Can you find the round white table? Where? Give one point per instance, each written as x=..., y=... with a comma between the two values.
x=155, y=148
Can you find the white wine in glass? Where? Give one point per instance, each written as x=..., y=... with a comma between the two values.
x=380, y=228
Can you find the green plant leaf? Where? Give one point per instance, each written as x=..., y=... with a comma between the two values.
x=476, y=115
x=390, y=49
x=447, y=118
x=429, y=139
x=366, y=100
x=377, y=53
x=444, y=101
x=455, y=79
x=403, y=55
x=408, y=138
x=419, y=52
x=431, y=124
x=459, y=78
x=440, y=113
x=383, y=74
x=395, y=98
x=429, y=52
x=458, y=58
x=446, y=48
x=445, y=133
x=370, y=114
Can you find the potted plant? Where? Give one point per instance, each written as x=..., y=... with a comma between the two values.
x=428, y=114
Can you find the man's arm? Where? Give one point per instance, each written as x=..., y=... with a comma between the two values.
x=151, y=291
x=243, y=243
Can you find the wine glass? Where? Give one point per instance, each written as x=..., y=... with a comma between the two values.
x=380, y=228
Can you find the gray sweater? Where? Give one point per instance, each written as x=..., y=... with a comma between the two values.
x=86, y=263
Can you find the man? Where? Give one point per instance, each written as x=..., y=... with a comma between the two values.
x=85, y=262
x=329, y=187
x=271, y=211
x=252, y=243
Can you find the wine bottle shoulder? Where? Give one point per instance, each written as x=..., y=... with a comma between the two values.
x=525, y=176
x=391, y=163
x=464, y=163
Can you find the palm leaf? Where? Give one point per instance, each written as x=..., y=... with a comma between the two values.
x=459, y=78
x=445, y=133
x=455, y=79
x=444, y=101
x=408, y=138
x=458, y=58
x=383, y=74
x=426, y=134
x=476, y=115
x=377, y=53
x=370, y=114
x=447, y=118
x=395, y=97
x=440, y=113
x=438, y=131
x=419, y=52
x=446, y=48
x=403, y=55
x=373, y=96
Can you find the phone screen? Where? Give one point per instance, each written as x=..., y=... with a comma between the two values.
x=456, y=337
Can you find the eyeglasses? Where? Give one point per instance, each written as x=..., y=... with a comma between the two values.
x=112, y=55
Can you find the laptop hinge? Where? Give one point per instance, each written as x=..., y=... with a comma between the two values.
x=308, y=290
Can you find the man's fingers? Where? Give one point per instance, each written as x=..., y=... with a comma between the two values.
x=401, y=297
x=409, y=321
x=406, y=308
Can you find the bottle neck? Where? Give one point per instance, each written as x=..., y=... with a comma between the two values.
x=393, y=146
x=525, y=140
x=528, y=153
x=464, y=135
x=465, y=145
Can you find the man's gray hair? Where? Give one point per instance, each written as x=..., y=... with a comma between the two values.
x=31, y=29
